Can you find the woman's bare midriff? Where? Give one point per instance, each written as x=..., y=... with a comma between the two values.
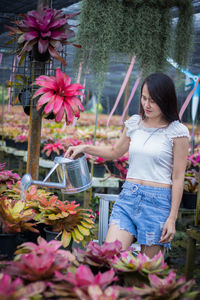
x=150, y=183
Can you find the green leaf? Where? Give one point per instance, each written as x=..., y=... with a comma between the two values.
x=78, y=235
x=74, y=238
x=85, y=224
x=66, y=238
x=83, y=230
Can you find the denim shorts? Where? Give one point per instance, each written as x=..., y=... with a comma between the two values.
x=142, y=211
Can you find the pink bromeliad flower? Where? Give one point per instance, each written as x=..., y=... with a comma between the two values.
x=47, y=29
x=59, y=96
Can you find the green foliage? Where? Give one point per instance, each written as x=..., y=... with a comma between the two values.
x=128, y=27
x=184, y=33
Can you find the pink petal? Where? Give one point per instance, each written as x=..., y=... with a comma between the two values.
x=106, y=277
x=58, y=102
x=30, y=21
x=69, y=112
x=155, y=280
x=45, y=77
x=50, y=84
x=58, y=23
x=75, y=86
x=73, y=93
x=49, y=106
x=84, y=275
x=67, y=80
x=56, y=55
x=40, y=91
x=43, y=45
x=60, y=78
x=59, y=115
x=44, y=99
x=74, y=107
x=58, y=35
x=78, y=102
x=31, y=35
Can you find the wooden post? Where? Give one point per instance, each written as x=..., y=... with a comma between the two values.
x=35, y=120
x=190, y=256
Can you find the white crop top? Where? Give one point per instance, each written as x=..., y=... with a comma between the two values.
x=151, y=150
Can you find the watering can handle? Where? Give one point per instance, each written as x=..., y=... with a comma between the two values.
x=50, y=172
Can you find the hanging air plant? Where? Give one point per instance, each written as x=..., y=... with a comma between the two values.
x=184, y=34
x=96, y=35
x=128, y=27
x=43, y=33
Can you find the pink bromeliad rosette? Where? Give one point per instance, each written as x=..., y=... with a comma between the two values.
x=59, y=97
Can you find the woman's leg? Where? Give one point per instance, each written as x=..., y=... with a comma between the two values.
x=115, y=233
x=151, y=251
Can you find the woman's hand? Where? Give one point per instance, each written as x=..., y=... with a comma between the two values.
x=73, y=151
x=168, y=231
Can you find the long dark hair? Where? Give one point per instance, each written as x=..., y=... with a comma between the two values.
x=162, y=90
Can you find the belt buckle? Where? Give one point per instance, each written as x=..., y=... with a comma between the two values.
x=135, y=188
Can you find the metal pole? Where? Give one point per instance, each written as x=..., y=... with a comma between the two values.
x=35, y=120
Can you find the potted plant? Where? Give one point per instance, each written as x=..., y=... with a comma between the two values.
x=51, y=150
x=65, y=220
x=98, y=257
x=37, y=264
x=21, y=142
x=134, y=270
x=15, y=289
x=191, y=182
x=7, y=177
x=42, y=33
x=194, y=159
x=58, y=96
x=14, y=218
x=169, y=287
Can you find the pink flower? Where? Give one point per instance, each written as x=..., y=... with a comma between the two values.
x=47, y=29
x=54, y=147
x=59, y=96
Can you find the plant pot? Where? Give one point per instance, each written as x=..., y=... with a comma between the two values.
x=112, y=168
x=189, y=200
x=21, y=145
x=8, y=244
x=52, y=155
x=98, y=170
x=10, y=143
x=52, y=235
x=28, y=236
x=50, y=116
x=24, y=98
x=39, y=56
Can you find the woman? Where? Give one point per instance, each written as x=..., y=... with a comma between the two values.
x=158, y=144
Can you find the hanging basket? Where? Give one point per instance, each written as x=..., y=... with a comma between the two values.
x=25, y=98
x=36, y=55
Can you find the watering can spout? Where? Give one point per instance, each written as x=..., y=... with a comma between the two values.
x=26, y=182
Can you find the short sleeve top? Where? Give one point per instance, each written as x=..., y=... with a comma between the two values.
x=151, y=150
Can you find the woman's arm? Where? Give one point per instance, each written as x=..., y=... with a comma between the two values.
x=180, y=152
x=107, y=152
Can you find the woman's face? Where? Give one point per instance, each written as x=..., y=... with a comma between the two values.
x=151, y=109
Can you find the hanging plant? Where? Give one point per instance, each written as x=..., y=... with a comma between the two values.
x=129, y=27
x=96, y=35
x=152, y=37
x=184, y=33
x=42, y=33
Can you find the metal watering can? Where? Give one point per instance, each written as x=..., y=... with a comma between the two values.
x=73, y=175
